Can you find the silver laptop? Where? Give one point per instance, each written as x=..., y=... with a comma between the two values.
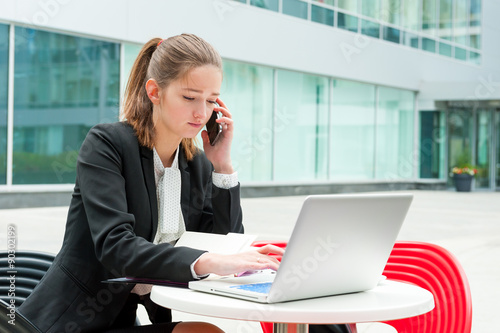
x=340, y=244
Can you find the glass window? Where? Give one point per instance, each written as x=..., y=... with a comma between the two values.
x=301, y=127
x=460, y=53
x=267, y=4
x=391, y=11
x=347, y=22
x=475, y=58
x=63, y=86
x=325, y=2
x=248, y=92
x=411, y=10
x=391, y=34
x=348, y=5
x=475, y=24
x=130, y=53
x=460, y=136
x=432, y=147
x=483, y=148
x=497, y=149
x=460, y=33
x=429, y=17
x=295, y=8
x=409, y=39
x=445, y=18
x=352, y=131
x=322, y=15
x=445, y=49
x=370, y=28
x=428, y=44
x=370, y=8
x=4, y=78
x=394, y=158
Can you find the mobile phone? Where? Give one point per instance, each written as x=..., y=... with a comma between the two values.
x=213, y=128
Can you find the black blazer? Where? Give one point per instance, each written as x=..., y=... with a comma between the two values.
x=111, y=223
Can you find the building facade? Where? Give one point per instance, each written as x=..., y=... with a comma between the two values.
x=323, y=93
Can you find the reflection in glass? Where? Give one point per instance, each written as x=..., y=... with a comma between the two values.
x=352, y=130
x=4, y=73
x=267, y=4
x=325, y=2
x=410, y=13
x=370, y=28
x=445, y=19
x=370, y=8
x=483, y=148
x=347, y=22
x=497, y=126
x=475, y=24
x=391, y=34
x=460, y=35
x=248, y=91
x=432, y=144
x=301, y=127
x=130, y=52
x=409, y=39
x=429, y=17
x=474, y=58
x=391, y=11
x=428, y=44
x=445, y=49
x=460, y=53
x=348, y=5
x=394, y=158
x=460, y=131
x=322, y=15
x=63, y=86
x=295, y=8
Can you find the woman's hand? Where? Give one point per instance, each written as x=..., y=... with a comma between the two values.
x=220, y=153
x=223, y=264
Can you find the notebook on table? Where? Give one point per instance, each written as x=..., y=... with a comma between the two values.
x=340, y=244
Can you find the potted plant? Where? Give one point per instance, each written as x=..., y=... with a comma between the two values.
x=463, y=173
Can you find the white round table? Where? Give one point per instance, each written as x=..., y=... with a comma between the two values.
x=388, y=301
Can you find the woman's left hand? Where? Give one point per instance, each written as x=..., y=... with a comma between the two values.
x=220, y=153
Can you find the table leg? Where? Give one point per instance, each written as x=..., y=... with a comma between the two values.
x=290, y=328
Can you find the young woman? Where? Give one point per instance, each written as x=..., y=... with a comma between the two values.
x=140, y=184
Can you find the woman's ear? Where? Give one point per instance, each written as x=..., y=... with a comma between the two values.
x=152, y=90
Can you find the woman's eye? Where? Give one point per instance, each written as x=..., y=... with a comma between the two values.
x=213, y=102
x=188, y=98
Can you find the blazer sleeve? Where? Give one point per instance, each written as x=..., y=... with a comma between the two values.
x=104, y=195
x=219, y=210
x=227, y=210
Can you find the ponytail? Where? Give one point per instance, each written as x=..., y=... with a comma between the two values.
x=165, y=61
x=138, y=108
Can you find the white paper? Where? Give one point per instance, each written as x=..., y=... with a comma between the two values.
x=222, y=244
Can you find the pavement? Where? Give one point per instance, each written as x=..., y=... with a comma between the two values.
x=467, y=224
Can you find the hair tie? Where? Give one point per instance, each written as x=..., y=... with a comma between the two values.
x=159, y=43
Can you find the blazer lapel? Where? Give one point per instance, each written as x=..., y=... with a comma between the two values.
x=149, y=179
x=186, y=185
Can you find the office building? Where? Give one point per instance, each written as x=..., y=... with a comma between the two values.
x=326, y=95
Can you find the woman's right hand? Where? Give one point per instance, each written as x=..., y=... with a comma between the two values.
x=225, y=264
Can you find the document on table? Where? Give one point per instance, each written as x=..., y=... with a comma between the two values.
x=222, y=244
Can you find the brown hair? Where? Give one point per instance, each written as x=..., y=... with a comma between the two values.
x=164, y=62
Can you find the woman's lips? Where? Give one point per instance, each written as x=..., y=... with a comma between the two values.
x=196, y=125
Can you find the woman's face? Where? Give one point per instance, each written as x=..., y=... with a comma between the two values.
x=187, y=103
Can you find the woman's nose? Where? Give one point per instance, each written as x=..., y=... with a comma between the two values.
x=200, y=110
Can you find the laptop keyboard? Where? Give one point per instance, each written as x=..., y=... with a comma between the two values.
x=262, y=288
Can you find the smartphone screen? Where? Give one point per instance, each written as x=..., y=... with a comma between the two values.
x=213, y=128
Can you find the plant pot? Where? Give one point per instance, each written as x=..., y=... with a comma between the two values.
x=463, y=182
